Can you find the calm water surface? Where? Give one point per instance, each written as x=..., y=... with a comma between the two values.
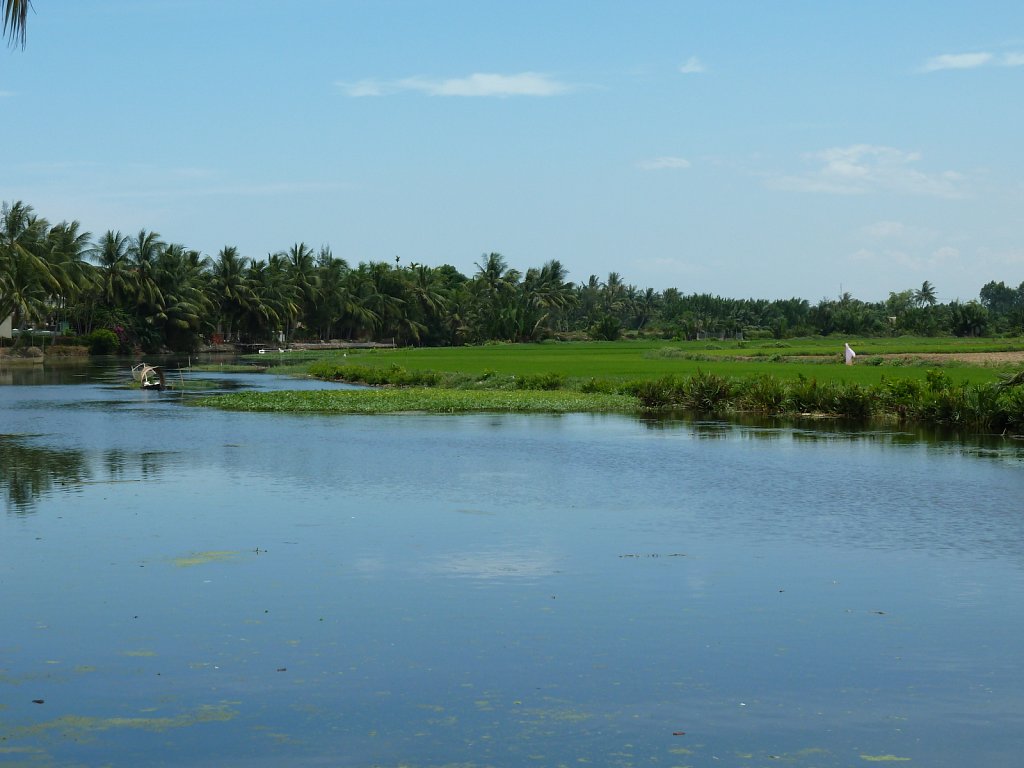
x=184, y=587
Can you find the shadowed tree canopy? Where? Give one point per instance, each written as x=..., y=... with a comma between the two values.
x=15, y=20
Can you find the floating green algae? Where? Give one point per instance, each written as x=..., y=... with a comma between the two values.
x=884, y=758
x=202, y=558
x=81, y=725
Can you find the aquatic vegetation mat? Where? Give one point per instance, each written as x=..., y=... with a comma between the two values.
x=418, y=400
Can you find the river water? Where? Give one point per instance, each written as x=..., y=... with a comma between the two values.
x=186, y=587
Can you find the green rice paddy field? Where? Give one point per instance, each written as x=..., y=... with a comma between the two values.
x=821, y=359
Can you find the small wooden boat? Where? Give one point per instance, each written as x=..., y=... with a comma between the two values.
x=149, y=376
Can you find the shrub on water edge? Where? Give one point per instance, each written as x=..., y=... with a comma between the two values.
x=708, y=392
x=1011, y=404
x=901, y=397
x=102, y=342
x=852, y=400
x=944, y=406
x=937, y=380
x=983, y=406
x=541, y=381
x=762, y=393
x=804, y=395
x=598, y=386
x=666, y=392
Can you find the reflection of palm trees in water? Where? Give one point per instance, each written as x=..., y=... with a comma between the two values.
x=27, y=472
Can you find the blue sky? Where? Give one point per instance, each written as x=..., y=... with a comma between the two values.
x=749, y=149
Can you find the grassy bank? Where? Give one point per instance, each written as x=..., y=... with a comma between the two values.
x=651, y=377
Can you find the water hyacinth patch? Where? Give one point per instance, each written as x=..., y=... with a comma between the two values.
x=421, y=400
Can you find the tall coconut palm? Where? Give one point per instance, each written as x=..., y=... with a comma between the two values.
x=230, y=289
x=26, y=280
x=66, y=250
x=143, y=250
x=15, y=20
x=300, y=267
x=183, y=305
x=277, y=305
x=428, y=299
x=544, y=296
x=495, y=285
x=925, y=295
x=117, y=279
x=382, y=294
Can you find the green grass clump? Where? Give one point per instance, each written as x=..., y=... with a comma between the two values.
x=395, y=375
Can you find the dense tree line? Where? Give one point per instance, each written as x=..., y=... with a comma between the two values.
x=153, y=294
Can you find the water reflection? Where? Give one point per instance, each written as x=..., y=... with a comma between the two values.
x=1009, y=448
x=65, y=370
x=28, y=472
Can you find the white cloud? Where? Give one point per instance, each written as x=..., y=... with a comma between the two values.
x=477, y=84
x=663, y=163
x=973, y=61
x=957, y=61
x=864, y=168
x=362, y=88
x=692, y=66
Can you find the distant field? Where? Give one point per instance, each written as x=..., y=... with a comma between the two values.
x=631, y=360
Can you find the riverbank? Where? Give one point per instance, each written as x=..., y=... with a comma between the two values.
x=991, y=407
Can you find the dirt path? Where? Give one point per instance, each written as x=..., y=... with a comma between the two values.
x=974, y=358
x=990, y=359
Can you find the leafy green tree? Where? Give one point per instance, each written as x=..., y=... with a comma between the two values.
x=968, y=319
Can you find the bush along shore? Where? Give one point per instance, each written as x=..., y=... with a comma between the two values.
x=994, y=408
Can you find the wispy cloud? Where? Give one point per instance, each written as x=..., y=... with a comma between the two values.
x=910, y=246
x=957, y=61
x=898, y=231
x=864, y=168
x=972, y=61
x=477, y=84
x=692, y=66
x=664, y=163
x=913, y=259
